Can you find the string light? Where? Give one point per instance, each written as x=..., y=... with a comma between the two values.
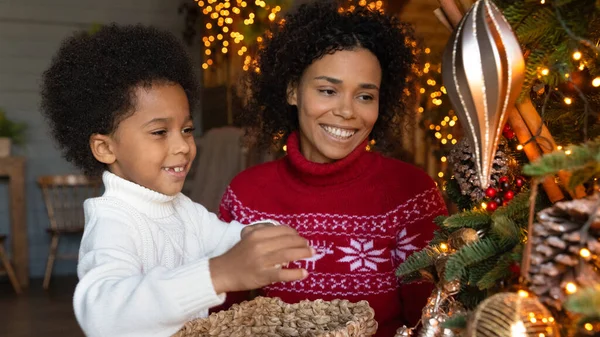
x=576, y=56
x=443, y=247
x=585, y=253
x=519, y=147
x=523, y=293
x=571, y=288
x=588, y=326
x=596, y=82
x=545, y=71
x=568, y=100
x=220, y=18
x=568, y=152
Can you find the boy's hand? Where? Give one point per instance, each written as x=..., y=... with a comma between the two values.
x=248, y=229
x=253, y=262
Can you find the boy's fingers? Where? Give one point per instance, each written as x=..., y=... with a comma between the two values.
x=272, y=231
x=288, y=275
x=284, y=256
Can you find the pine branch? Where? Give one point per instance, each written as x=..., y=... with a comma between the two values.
x=499, y=272
x=456, y=322
x=419, y=260
x=482, y=268
x=586, y=302
x=438, y=238
x=506, y=230
x=470, y=255
x=476, y=219
x=517, y=209
x=471, y=297
x=580, y=157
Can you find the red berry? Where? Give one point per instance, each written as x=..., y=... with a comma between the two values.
x=492, y=206
x=490, y=192
x=508, y=195
x=520, y=182
x=515, y=268
x=503, y=179
x=509, y=134
x=506, y=128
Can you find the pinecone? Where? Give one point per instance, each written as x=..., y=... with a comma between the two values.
x=556, y=256
x=465, y=173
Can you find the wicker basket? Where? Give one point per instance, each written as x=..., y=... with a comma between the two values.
x=271, y=317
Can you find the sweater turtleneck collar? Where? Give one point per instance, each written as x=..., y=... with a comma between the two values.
x=317, y=174
x=151, y=203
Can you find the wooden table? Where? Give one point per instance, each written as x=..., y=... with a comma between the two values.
x=14, y=169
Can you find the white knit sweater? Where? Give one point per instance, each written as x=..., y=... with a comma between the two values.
x=143, y=263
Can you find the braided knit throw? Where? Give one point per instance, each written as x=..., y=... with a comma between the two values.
x=271, y=317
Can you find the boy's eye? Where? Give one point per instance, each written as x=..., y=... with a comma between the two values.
x=189, y=129
x=159, y=132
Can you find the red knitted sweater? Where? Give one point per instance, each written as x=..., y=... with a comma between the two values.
x=363, y=215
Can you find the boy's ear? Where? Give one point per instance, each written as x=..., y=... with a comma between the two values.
x=101, y=146
x=292, y=94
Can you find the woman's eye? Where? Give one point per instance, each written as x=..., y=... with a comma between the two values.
x=189, y=130
x=159, y=132
x=327, y=92
x=366, y=97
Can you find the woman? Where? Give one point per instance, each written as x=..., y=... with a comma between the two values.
x=332, y=81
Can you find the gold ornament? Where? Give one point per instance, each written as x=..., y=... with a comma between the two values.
x=512, y=315
x=483, y=70
x=404, y=332
x=462, y=237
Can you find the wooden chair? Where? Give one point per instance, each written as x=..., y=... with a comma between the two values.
x=64, y=196
x=7, y=266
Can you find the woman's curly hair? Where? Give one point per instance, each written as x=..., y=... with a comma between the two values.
x=90, y=85
x=306, y=35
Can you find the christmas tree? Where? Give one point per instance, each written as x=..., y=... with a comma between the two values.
x=528, y=237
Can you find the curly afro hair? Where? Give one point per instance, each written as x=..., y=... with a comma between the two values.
x=89, y=87
x=314, y=30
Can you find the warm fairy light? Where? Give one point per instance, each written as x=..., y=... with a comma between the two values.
x=576, y=56
x=533, y=320
x=559, y=148
x=452, y=123
x=588, y=326
x=571, y=288
x=444, y=141
x=568, y=101
x=441, y=174
x=483, y=205
x=443, y=159
x=585, y=253
x=431, y=127
x=568, y=152
x=551, y=319
x=443, y=247
x=519, y=147
x=596, y=82
x=224, y=15
x=523, y=293
x=545, y=71
x=454, y=141
x=422, y=90
x=204, y=65
x=438, y=128
x=438, y=135
x=543, y=2
x=420, y=109
x=581, y=66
